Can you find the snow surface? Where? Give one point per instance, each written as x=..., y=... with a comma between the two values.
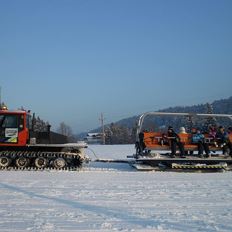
x=114, y=197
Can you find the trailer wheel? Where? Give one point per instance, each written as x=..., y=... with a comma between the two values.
x=22, y=162
x=41, y=162
x=59, y=163
x=4, y=161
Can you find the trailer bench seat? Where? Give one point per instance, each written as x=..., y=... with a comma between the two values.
x=156, y=141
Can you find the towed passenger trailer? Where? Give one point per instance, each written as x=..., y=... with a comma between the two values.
x=156, y=155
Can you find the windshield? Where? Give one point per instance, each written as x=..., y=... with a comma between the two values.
x=1, y=119
x=8, y=121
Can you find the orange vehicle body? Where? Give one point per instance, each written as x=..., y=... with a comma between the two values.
x=19, y=149
x=13, y=126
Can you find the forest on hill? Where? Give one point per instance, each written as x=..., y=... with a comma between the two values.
x=123, y=131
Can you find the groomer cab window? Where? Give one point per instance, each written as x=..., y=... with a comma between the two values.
x=11, y=121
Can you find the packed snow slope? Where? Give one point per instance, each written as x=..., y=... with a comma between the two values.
x=114, y=197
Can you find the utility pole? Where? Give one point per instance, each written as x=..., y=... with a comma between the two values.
x=103, y=129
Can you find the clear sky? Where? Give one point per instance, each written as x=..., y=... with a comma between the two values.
x=70, y=60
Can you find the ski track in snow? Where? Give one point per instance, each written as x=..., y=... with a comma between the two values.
x=114, y=197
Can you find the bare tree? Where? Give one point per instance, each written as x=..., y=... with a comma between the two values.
x=64, y=129
x=116, y=134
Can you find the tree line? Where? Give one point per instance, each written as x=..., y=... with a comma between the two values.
x=124, y=131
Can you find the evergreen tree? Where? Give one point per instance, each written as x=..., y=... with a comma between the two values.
x=209, y=120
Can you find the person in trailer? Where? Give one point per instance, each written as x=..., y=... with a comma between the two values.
x=140, y=145
x=182, y=130
x=230, y=130
x=212, y=135
x=224, y=141
x=199, y=139
x=175, y=142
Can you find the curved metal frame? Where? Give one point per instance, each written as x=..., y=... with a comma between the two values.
x=143, y=116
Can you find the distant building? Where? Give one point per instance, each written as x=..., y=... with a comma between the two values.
x=94, y=138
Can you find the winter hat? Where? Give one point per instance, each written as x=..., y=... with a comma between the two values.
x=182, y=130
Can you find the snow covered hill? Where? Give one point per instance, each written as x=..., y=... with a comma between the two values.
x=115, y=197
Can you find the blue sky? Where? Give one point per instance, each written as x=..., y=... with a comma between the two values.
x=70, y=60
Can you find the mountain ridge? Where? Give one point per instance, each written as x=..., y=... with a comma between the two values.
x=222, y=106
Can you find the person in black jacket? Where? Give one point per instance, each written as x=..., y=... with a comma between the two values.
x=224, y=141
x=141, y=142
x=175, y=141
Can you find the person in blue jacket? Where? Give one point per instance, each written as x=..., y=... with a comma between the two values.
x=199, y=139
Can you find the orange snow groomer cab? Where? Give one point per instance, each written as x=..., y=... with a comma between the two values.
x=19, y=150
x=13, y=128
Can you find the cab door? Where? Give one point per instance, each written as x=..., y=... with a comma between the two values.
x=9, y=128
x=12, y=129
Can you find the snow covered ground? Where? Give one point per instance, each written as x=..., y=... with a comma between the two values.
x=115, y=197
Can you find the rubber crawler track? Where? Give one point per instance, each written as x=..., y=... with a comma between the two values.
x=73, y=160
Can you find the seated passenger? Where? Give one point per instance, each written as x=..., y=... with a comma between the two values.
x=141, y=144
x=212, y=135
x=175, y=141
x=199, y=139
x=224, y=141
x=230, y=130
